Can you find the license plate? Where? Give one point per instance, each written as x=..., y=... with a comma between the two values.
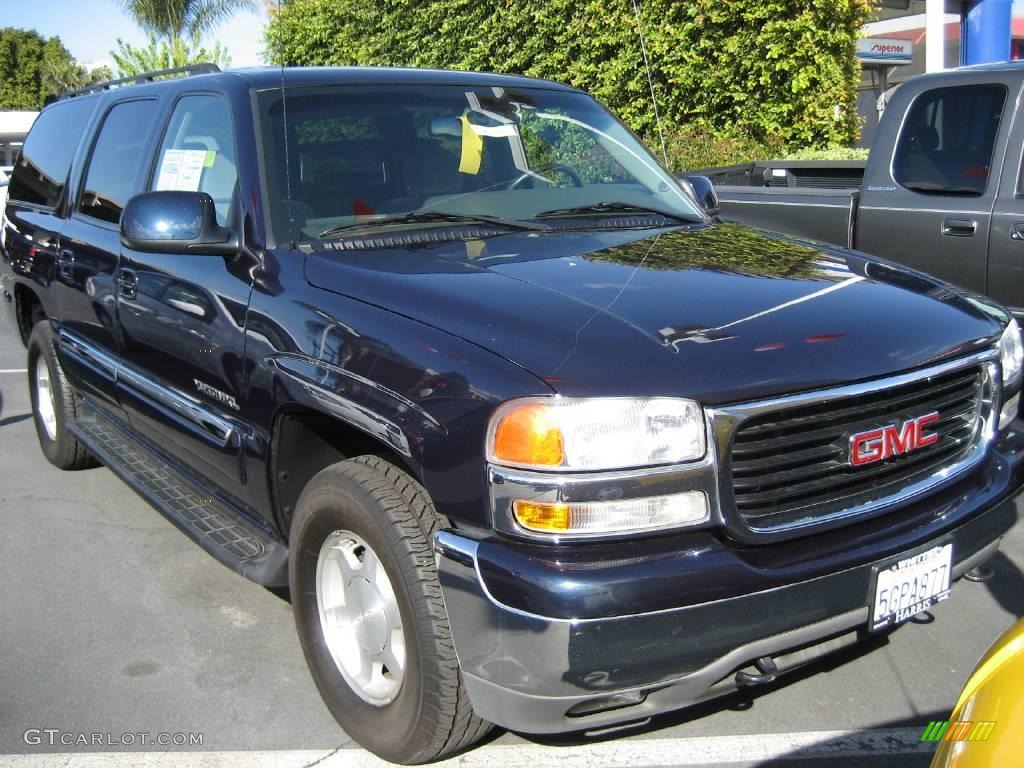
x=911, y=586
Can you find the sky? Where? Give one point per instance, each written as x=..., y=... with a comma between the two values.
x=90, y=28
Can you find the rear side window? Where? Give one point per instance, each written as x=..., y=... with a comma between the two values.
x=947, y=140
x=116, y=157
x=42, y=169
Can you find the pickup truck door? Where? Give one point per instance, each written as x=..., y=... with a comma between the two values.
x=182, y=316
x=1006, y=237
x=928, y=202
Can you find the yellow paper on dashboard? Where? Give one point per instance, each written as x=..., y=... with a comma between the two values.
x=472, y=148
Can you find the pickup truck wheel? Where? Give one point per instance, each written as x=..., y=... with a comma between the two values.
x=54, y=402
x=370, y=616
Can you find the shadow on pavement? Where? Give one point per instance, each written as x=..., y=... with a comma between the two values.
x=14, y=419
x=1007, y=585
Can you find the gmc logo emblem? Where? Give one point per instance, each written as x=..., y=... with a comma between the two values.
x=886, y=442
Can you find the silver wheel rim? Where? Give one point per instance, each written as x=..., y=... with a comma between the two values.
x=45, y=406
x=360, y=618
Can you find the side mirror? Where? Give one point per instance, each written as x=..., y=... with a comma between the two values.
x=704, y=192
x=175, y=222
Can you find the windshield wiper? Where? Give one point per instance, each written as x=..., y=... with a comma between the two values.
x=432, y=217
x=611, y=208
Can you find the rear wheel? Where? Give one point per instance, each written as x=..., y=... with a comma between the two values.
x=54, y=402
x=370, y=616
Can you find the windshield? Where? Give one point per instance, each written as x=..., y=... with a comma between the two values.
x=360, y=154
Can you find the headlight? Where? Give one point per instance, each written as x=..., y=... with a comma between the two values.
x=595, y=434
x=1011, y=353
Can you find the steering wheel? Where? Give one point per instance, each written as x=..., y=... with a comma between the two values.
x=535, y=174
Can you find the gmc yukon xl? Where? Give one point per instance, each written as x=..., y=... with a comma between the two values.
x=531, y=438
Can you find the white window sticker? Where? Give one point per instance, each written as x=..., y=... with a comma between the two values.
x=181, y=170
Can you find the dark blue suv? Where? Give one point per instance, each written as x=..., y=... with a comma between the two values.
x=533, y=437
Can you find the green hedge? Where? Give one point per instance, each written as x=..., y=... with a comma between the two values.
x=757, y=73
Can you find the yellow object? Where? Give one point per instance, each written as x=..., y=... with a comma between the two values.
x=540, y=516
x=475, y=249
x=210, y=159
x=994, y=693
x=472, y=148
x=529, y=435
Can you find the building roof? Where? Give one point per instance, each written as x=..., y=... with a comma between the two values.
x=15, y=125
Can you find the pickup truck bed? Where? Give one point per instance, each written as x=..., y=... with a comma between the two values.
x=818, y=214
x=942, y=190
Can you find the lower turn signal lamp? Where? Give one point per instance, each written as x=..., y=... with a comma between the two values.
x=601, y=517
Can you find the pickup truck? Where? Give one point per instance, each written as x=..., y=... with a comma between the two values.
x=531, y=439
x=942, y=192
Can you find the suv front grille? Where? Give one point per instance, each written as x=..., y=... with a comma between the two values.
x=791, y=466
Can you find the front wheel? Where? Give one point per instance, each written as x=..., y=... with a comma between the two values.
x=370, y=616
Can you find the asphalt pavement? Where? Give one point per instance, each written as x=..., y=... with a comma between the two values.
x=113, y=623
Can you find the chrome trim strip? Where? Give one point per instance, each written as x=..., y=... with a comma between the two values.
x=89, y=352
x=728, y=418
x=187, y=407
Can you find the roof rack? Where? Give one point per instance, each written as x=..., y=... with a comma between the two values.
x=204, y=68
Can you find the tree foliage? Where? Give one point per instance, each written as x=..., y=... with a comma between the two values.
x=767, y=71
x=35, y=69
x=165, y=54
x=183, y=19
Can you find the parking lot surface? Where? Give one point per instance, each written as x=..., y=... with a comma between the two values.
x=114, y=623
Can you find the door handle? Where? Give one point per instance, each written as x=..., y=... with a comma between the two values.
x=1017, y=231
x=65, y=264
x=959, y=227
x=127, y=284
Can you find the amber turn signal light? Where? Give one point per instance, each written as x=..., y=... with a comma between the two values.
x=538, y=516
x=529, y=435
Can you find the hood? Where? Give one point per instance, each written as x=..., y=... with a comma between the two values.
x=721, y=313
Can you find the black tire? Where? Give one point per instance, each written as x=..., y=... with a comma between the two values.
x=430, y=717
x=62, y=449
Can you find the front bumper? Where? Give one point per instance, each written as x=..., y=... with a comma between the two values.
x=536, y=655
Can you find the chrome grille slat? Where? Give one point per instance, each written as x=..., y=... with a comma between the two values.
x=790, y=464
x=962, y=385
x=840, y=478
x=793, y=462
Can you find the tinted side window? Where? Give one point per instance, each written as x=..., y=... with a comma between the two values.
x=198, y=152
x=116, y=155
x=42, y=169
x=946, y=144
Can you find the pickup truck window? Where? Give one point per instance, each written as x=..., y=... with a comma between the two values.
x=42, y=169
x=355, y=154
x=947, y=139
x=198, y=152
x=116, y=158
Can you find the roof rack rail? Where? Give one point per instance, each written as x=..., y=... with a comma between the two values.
x=204, y=68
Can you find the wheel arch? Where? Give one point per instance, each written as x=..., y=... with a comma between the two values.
x=29, y=309
x=304, y=441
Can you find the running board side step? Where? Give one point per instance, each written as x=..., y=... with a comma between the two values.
x=215, y=525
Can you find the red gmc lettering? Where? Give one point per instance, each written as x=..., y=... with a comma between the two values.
x=922, y=438
x=867, y=447
x=878, y=444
